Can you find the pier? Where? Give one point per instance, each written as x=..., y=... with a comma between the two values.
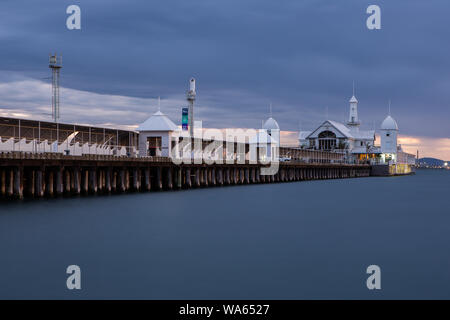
x=36, y=175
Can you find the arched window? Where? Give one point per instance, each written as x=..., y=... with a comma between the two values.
x=327, y=140
x=327, y=134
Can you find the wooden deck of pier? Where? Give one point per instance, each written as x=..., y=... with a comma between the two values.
x=52, y=174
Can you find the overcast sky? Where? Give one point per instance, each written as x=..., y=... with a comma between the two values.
x=301, y=55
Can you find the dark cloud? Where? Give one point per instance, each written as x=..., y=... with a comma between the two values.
x=302, y=55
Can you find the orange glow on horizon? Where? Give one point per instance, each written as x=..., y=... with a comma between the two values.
x=428, y=147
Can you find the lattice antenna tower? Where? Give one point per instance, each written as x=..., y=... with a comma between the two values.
x=55, y=63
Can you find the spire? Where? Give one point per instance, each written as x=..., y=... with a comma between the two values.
x=270, y=110
x=353, y=115
x=159, y=103
x=389, y=112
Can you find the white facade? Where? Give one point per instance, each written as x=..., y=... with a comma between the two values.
x=262, y=147
x=273, y=130
x=333, y=135
x=155, y=135
x=388, y=133
x=353, y=114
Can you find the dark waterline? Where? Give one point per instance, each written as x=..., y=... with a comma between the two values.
x=300, y=240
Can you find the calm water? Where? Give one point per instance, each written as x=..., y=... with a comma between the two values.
x=281, y=241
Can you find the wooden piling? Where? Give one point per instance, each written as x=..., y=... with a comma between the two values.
x=18, y=186
x=76, y=180
x=108, y=180
x=93, y=181
x=59, y=181
x=3, y=182
x=99, y=180
x=169, y=178
x=220, y=176
x=114, y=176
x=147, y=178
x=246, y=176
x=188, y=182
x=39, y=183
x=197, y=177
x=205, y=177
x=67, y=181
x=179, y=173
x=31, y=183
x=159, y=184
x=85, y=180
x=227, y=176
x=262, y=178
x=213, y=176
x=136, y=181
x=122, y=180
x=50, y=183
x=127, y=179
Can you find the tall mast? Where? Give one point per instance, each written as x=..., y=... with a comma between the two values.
x=55, y=63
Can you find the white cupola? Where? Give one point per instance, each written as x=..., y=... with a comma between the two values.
x=272, y=128
x=389, y=124
x=389, y=131
x=353, y=114
x=271, y=124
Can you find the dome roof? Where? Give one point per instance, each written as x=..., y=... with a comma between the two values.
x=389, y=124
x=271, y=124
x=353, y=99
x=157, y=122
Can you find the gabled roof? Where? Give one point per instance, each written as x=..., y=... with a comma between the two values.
x=341, y=128
x=157, y=122
x=346, y=131
x=302, y=135
x=364, y=135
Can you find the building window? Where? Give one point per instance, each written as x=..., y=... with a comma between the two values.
x=388, y=134
x=327, y=140
x=154, y=146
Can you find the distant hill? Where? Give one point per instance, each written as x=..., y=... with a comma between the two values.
x=431, y=162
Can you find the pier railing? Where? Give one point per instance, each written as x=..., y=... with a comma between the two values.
x=19, y=155
x=49, y=174
x=60, y=156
